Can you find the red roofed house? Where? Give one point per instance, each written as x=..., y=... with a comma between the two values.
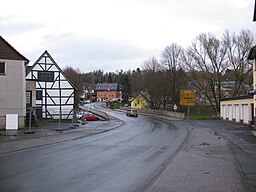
x=108, y=92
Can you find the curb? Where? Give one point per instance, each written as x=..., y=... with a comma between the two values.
x=37, y=141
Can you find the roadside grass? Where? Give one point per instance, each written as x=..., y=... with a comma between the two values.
x=115, y=105
x=203, y=117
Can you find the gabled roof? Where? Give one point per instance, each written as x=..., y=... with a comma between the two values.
x=47, y=55
x=8, y=52
x=89, y=86
x=107, y=86
x=249, y=96
x=142, y=94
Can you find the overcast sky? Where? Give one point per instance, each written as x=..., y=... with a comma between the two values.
x=115, y=35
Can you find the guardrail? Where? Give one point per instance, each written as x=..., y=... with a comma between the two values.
x=95, y=111
x=160, y=112
x=147, y=111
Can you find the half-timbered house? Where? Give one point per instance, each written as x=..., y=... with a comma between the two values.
x=55, y=94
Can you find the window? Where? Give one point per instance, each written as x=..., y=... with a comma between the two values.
x=39, y=95
x=28, y=98
x=45, y=76
x=2, y=68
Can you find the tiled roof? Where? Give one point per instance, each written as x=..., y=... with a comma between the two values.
x=8, y=52
x=107, y=86
x=249, y=96
x=144, y=95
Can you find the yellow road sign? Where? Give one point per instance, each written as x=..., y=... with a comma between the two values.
x=187, y=97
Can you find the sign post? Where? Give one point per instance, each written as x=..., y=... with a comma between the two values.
x=187, y=98
x=175, y=107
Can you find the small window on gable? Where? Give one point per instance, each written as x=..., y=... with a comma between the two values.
x=2, y=68
x=47, y=76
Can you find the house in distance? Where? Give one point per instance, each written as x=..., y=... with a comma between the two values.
x=108, y=92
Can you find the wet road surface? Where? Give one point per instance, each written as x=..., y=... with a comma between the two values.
x=243, y=145
x=128, y=158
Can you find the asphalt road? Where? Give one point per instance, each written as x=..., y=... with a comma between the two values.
x=128, y=158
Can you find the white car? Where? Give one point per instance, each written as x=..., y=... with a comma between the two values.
x=79, y=115
x=132, y=112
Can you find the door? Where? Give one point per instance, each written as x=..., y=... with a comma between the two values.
x=230, y=113
x=237, y=113
x=245, y=113
x=252, y=115
x=39, y=111
x=224, y=112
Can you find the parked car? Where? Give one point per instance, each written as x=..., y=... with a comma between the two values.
x=132, y=112
x=87, y=101
x=89, y=117
x=79, y=114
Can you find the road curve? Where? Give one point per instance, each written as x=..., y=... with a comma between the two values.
x=128, y=158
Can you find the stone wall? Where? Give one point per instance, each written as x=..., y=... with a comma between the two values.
x=160, y=112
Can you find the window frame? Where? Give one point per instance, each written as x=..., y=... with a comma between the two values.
x=28, y=99
x=39, y=95
x=45, y=76
x=4, y=68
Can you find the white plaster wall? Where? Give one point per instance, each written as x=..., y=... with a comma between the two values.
x=12, y=88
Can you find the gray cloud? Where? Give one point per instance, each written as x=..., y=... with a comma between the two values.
x=149, y=22
x=8, y=26
x=91, y=54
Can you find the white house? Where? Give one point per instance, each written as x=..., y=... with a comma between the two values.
x=12, y=83
x=55, y=94
x=238, y=109
x=252, y=57
x=241, y=109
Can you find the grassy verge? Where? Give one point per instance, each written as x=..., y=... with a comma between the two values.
x=115, y=105
x=203, y=117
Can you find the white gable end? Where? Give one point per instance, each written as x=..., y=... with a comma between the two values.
x=56, y=94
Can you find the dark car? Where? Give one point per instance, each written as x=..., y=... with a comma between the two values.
x=132, y=112
x=89, y=117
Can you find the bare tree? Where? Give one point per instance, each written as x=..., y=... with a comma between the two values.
x=76, y=79
x=238, y=47
x=206, y=59
x=136, y=81
x=172, y=60
x=153, y=81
